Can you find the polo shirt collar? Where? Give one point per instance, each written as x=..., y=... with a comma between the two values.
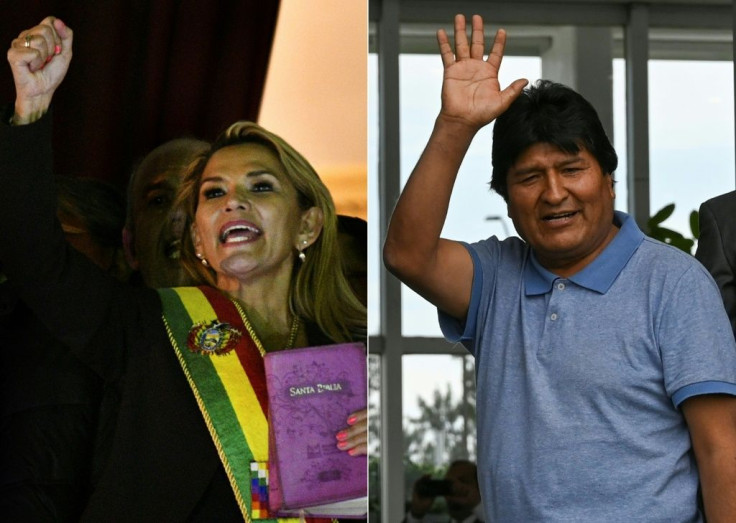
x=599, y=274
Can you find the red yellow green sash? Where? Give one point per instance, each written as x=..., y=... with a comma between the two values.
x=228, y=380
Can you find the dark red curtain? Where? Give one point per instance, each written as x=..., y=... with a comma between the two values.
x=146, y=71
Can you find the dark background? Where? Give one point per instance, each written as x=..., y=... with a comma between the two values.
x=146, y=71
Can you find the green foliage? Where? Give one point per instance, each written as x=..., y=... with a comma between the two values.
x=695, y=224
x=669, y=236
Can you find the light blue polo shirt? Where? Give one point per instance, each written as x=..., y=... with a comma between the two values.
x=579, y=379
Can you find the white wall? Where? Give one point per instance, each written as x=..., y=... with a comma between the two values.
x=316, y=89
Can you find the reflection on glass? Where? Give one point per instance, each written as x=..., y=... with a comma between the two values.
x=439, y=414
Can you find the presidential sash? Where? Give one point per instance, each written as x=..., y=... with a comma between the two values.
x=222, y=360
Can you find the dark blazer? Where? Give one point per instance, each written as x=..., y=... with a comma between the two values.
x=49, y=405
x=717, y=246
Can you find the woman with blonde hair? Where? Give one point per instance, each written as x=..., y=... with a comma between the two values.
x=320, y=292
x=187, y=362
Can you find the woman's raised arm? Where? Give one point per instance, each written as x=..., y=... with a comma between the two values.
x=39, y=59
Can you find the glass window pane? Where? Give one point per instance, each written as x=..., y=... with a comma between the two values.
x=438, y=417
x=438, y=409
x=475, y=211
x=691, y=119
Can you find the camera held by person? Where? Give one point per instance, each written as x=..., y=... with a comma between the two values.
x=459, y=488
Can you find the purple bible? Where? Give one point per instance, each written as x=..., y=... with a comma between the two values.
x=311, y=393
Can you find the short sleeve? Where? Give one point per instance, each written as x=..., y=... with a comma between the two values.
x=696, y=341
x=455, y=330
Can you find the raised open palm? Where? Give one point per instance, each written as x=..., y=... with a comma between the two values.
x=471, y=93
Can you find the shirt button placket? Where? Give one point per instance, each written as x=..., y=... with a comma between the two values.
x=560, y=285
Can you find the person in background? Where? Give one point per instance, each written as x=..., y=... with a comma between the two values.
x=352, y=236
x=460, y=491
x=605, y=362
x=89, y=211
x=262, y=242
x=154, y=227
x=717, y=247
x=50, y=401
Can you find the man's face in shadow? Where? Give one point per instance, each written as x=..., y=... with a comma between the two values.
x=154, y=241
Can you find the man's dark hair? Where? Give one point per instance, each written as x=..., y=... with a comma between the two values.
x=99, y=205
x=548, y=113
x=356, y=228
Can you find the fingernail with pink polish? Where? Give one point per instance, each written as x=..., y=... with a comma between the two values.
x=343, y=434
x=342, y=445
x=352, y=419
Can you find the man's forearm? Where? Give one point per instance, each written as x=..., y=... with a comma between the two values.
x=420, y=213
x=718, y=483
x=711, y=420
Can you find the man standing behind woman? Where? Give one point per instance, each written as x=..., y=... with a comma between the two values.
x=154, y=225
x=262, y=234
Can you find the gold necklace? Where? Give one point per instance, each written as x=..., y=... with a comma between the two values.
x=295, y=324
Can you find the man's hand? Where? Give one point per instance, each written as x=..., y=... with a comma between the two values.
x=39, y=59
x=471, y=93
